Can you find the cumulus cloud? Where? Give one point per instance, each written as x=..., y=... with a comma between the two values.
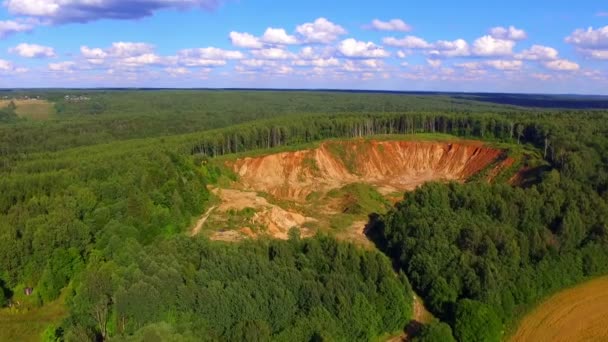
x=356, y=49
x=499, y=64
x=538, y=53
x=206, y=57
x=245, y=40
x=562, y=65
x=33, y=51
x=362, y=65
x=265, y=67
x=391, y=25
x=9, y=27
x=510, y=33
x=592, y=42
x=64, y=11
x=122, y=54
x=401, y=54
x=408, y=42
x=488, y=46
x=456, y=48
x=272, y=53
x=590, y=38
x=65, y=67
x=278, y=36
x=318, y=62
x=5, y=65
x=320, y=31
x=175, y=72
x=8, y=68
x=510, y=65
x=130, y=55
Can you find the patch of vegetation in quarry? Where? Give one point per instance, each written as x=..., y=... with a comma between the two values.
x=335, y=185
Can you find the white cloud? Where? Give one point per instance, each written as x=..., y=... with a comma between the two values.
x=488, y=46
x=362, y=66
x=596, y=54
x=141, y=60
x=372, y=63
x=538, y=53
x=318, y=62
x=592, y=43
x=63, y=11
x=177, y=71
x=129, y=49
x=272, y=53
x=9, y=27
x=357, y=49
x=510, y=33
x=456, y=48
x=123, y=55
x=401, y=54
x=505, y=64
x=210, y=53
x=391, y=25
x=95, y=53
x=33, y=51
x=562, y=65
x=590, y=38
x=95, y=56
x=471, y=65
x=5, y=65
x=320, y=31
x=408, y=42
x=204, y=57
x=66, y=67
x=245, y=40
x=278, y=36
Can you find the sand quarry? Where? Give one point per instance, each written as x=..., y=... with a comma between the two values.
x=312, y=189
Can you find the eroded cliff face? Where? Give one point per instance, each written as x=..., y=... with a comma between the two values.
x=389, y=165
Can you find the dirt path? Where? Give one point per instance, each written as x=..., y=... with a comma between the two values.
x=576, y=314
x=199, y=224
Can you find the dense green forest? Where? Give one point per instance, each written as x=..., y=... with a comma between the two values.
x=95, y=203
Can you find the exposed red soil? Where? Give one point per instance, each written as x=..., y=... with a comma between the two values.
x=389, y=165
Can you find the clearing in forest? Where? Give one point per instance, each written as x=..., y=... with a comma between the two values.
x=576, y=314
x=30, y=324
x=335, y=185
x=31, y=108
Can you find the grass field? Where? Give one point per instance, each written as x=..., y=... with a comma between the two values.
x=32, y=109
x=28, y=326
x=576, y=314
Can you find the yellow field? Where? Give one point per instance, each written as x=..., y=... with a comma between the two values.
x=32, y=108
x=576, y=314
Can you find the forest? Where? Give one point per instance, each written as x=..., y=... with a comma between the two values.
x=96, y=201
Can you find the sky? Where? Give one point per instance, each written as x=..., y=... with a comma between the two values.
x=541, y=46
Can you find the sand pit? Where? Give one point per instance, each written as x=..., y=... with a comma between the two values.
x=392, y=165
x=335, y=186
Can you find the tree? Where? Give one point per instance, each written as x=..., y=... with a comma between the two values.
x=476, y=322
x=435, y=332
x=519, y=129
x=94, y=296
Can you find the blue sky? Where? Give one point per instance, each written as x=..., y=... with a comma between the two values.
x=517, y=46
